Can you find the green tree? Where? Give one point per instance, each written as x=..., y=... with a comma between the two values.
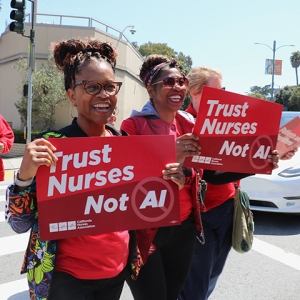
x=265, y=90
x=284, y=95
x=294, y=101
x=48, y=93
x=185, y=62
x=257, y=95
x=295, y=61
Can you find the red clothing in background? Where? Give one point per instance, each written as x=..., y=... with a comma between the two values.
x=7, y=139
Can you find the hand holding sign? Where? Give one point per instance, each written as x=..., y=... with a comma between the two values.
x=237, y=133
x=92, y=189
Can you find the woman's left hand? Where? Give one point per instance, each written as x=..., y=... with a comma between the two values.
x=174, y=172
x=289, y=154
x=274, y=158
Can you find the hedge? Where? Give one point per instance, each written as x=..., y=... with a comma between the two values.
x=19, y=136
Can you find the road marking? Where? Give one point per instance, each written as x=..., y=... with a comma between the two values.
x=2, y=201
x=277, y=253
x=2, y=217
x=9, y=174
x=12, y=288
x=14, y=243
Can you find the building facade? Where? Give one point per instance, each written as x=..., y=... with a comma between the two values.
x=13, y=46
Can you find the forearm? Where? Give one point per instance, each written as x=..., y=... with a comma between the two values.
x=220, y=177
x=21, y=208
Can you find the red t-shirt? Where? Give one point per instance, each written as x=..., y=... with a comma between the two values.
x=95, y=256
x=218, y=194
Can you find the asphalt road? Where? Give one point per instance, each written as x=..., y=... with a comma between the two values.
x=270, y=271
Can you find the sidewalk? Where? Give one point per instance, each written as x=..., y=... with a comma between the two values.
x=11, y=164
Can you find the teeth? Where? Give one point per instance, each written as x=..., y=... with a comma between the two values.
x=100, y=105
x=175, y=98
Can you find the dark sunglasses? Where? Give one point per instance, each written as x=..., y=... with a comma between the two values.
x=94, y=88
x=171, y=81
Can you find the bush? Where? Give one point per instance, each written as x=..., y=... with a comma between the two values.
x=19, y=136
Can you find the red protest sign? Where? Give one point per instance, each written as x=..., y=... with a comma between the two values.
x=236, y=132
x=289, y=136
x=107, y=184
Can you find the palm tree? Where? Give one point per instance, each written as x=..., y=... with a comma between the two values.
x=295, y=61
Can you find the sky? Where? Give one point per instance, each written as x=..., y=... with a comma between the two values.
x=215, y=33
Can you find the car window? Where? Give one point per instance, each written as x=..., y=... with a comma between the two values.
x=286, y=118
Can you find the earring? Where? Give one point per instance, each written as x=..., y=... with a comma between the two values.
x=71, y=112
x=116, y=111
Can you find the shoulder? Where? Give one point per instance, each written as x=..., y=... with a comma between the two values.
x=129, y=125
x=186, y=116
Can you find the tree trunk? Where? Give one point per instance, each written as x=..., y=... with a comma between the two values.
x=296, y=75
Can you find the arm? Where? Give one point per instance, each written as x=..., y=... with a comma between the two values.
x=20, y=212
x=219, y=177
x=128, y=125
x=6, y=136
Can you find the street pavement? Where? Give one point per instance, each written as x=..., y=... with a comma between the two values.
x=271, y=270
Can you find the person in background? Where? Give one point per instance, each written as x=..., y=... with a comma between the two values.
x=209, y=258
x=113, y=118
x=6, y=142
x=83, y=267
x=168, y=251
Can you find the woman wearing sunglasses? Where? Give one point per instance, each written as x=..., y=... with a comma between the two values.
x=84, y=267
x=167, y=252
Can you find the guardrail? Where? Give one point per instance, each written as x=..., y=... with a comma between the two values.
x=80, y=21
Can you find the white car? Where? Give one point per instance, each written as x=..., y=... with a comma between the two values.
x=279, y=192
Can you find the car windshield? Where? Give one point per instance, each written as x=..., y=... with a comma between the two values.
x=288, y=117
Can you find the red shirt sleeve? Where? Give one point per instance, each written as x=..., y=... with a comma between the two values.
x=6, y=135
x=128, y=125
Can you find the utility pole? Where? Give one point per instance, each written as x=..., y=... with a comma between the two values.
x=18, y=26
x=30, y=71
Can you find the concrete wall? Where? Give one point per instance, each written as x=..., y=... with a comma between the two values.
x=14, y=46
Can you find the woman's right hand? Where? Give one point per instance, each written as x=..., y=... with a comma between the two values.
x=187, y=145
x=37, y=153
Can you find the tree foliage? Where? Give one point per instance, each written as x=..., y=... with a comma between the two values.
x=265, y=90
x=257, y=95
x=48, y=93
x=289, y=97
x=185, y=62
x=295, y=62
x=294, y=101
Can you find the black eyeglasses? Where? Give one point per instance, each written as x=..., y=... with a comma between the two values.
x=171, y=81
x=94, y=88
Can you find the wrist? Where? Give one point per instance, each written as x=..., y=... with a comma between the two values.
x=21, y=182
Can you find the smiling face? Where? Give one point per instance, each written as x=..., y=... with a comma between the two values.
x=93, y=110
x=167, y=100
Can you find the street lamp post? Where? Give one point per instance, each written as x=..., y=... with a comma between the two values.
x=274, y=49
x=132, y=30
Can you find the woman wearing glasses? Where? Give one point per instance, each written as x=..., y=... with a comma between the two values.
x=167, y=251
x=85, y=267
